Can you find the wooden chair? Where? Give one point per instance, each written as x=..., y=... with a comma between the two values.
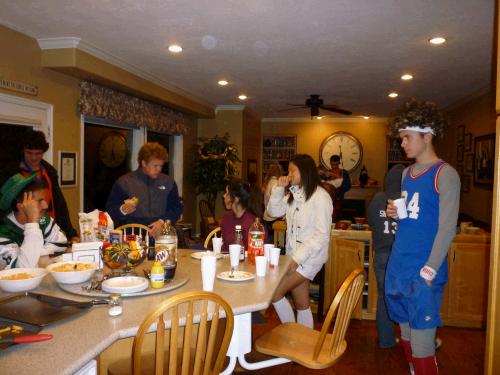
x=208, y=221
x=209, y=237
x=279, y=228
x=143, y=230
x=189, y=352
x=311, y=348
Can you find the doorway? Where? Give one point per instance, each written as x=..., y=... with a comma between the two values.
x=11, y=151
x=107, y=156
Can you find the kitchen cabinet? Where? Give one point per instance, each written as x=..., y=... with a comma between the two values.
x=350, y=249
x=466, y=294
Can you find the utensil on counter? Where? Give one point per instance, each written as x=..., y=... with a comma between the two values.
x=60, y=302
x=26, y=339
x=231, y=275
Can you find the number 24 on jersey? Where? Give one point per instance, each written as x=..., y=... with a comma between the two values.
x=412, y=207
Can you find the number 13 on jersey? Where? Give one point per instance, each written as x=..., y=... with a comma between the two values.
x=412, y=207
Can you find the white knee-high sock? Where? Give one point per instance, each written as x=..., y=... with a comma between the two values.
x=284, y=310
x=305, y=317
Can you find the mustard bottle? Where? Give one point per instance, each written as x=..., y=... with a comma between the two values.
x=157, y=275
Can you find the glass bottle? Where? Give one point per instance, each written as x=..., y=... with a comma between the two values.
x=166, y=249
x=255, y=240
x=238, y=239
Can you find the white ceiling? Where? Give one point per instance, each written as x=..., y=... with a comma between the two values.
x=352, y=52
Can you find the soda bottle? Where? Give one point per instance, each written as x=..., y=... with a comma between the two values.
x=166, y=249
x=255, y=240
x=238, y=239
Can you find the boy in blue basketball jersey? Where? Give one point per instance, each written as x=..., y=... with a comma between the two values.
x=417, y=270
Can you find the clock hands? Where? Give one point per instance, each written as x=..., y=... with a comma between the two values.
x=341, y=158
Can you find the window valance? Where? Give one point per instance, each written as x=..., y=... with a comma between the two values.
x=103, y=102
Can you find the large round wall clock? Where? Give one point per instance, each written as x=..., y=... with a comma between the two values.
x=347, y=146
x=113, y=150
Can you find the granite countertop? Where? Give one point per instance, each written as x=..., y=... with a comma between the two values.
x=79, y=339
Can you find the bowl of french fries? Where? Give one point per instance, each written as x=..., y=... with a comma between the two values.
x=17, y=280
x=71, y=272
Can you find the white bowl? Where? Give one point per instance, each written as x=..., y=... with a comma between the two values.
x=71, y=277
x=21, y=285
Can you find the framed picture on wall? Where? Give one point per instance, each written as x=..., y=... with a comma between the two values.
x=67, y=168
x=469, y=163
x=468, y=142
x=460, y=153
x=484, y=159
x=460, y=133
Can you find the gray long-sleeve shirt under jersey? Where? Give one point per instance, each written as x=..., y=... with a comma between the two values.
x=449, y=203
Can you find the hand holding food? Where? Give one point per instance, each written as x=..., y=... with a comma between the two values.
x=129, y=205
x=133, y=201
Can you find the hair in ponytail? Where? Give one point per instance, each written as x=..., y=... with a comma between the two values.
x=249, y=197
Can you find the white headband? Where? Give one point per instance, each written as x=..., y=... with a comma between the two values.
x=418, y=129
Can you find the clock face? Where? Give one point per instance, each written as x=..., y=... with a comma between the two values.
x=113, y=150
x=346, y=146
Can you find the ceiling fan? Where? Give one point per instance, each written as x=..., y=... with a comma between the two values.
x=314, y=102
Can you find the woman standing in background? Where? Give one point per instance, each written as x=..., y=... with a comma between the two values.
x=308, y=208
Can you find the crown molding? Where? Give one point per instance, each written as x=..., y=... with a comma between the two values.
x=229, y=107
x=346, y=120
x=80, y=44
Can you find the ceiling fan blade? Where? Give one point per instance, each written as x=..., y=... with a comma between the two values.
x=334, y=108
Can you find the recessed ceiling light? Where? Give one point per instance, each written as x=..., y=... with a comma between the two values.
x=437, y=40
x=175, y=48
x=242, y=97
x=366, y=117
x=319, y=117
x=393, y=95
x=406, y=77
x=223, y=82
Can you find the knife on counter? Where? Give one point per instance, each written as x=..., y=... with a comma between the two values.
x=61, y=302
x=26, y=339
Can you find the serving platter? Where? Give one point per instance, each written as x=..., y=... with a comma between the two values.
x=179, y=280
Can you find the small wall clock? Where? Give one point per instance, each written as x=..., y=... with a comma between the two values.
x=113, y=150
x=344, y=144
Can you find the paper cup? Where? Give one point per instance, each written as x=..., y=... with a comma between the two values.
x=217, y=244
x=401, y=206
x=267, y=251
x=260, y=265
x=275, y=257
x=208, y=265
x=234, y=254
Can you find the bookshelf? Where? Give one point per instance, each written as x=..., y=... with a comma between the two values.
x=277, y=149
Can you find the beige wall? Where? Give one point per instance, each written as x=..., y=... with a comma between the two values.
x=20, y=61
x=310, y=134
x=478, y=117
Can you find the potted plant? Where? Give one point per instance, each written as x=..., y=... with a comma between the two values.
x=214, y=165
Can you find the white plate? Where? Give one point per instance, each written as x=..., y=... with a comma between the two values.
x=237, y=276
x=200, y=254
x=125, y=284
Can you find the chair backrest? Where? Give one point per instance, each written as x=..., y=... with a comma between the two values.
x=342, y=306
x=209, y=237
x=204, y=208
x=134, y=229
x=210, y=347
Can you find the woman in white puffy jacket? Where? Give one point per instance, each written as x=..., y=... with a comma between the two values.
x=308, y=208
